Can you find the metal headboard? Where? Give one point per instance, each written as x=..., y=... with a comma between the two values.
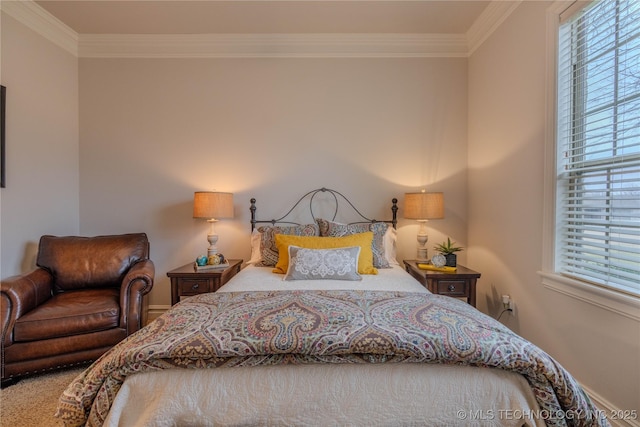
x=311, y=194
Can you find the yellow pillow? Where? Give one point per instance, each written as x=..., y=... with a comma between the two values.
x=364, y=240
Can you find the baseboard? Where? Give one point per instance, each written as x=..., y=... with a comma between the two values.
x=617, y=417
x=156, y=311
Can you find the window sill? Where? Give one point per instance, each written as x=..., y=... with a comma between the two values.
x=619, y=303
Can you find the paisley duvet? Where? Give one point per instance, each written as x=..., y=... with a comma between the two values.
x=242, y=329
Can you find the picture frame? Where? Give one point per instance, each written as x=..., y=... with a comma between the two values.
x=3, y=109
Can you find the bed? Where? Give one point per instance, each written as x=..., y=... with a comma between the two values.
x=324, y=328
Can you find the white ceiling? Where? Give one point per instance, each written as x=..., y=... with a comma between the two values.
x=266, y=16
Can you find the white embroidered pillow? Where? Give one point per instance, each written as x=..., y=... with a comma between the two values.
x=319, y=264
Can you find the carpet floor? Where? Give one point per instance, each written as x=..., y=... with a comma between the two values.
x=32, y=401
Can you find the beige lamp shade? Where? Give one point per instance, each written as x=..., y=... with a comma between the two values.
x=423, y=206
x=211, y=204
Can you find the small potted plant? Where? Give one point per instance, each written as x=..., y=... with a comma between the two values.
x=449, y=249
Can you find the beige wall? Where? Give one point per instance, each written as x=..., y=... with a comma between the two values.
x=153, y=131
x=506, y=173
x=42, y=173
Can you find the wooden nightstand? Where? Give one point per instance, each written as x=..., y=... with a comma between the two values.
x=185, y=281
x=460, y=284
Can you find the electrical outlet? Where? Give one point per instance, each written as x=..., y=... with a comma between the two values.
x=505, y=301
x=508, y=304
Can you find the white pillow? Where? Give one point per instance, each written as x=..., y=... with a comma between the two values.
x=390, y=238
x=256, y=254
x=323, y=264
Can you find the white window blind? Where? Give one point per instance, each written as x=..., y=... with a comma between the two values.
x=598, y=182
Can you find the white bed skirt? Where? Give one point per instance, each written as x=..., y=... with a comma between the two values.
x=325, y=395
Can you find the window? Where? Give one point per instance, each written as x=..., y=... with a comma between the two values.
x=597, y=209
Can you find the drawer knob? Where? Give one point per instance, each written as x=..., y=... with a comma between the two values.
x=452, y=288
x=196, y=286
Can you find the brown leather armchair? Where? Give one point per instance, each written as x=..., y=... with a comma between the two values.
x=87, y=294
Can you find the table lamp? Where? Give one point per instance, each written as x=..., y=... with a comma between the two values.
x=212, y=206
x=423, y=207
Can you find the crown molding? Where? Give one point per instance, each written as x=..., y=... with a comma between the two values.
x=272, y=46
x=33, y=16
x=38, y=19
x=488, y=21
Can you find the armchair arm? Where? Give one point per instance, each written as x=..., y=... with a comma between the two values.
x=136, y=284
x=19, y=295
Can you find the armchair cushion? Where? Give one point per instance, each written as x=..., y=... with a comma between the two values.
x=70, y=313
x=90, y=262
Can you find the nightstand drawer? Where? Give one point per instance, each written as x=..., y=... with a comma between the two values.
x=186, y=281
x=454, y=288
x=193, y=286
x=460, y=283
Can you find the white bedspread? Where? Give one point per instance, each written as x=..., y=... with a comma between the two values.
x=319, y=395
x=262, y=279
x=325, y=395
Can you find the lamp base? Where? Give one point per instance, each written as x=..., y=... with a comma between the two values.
x=422, y=255
x=213, y=249
x=423, y=238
